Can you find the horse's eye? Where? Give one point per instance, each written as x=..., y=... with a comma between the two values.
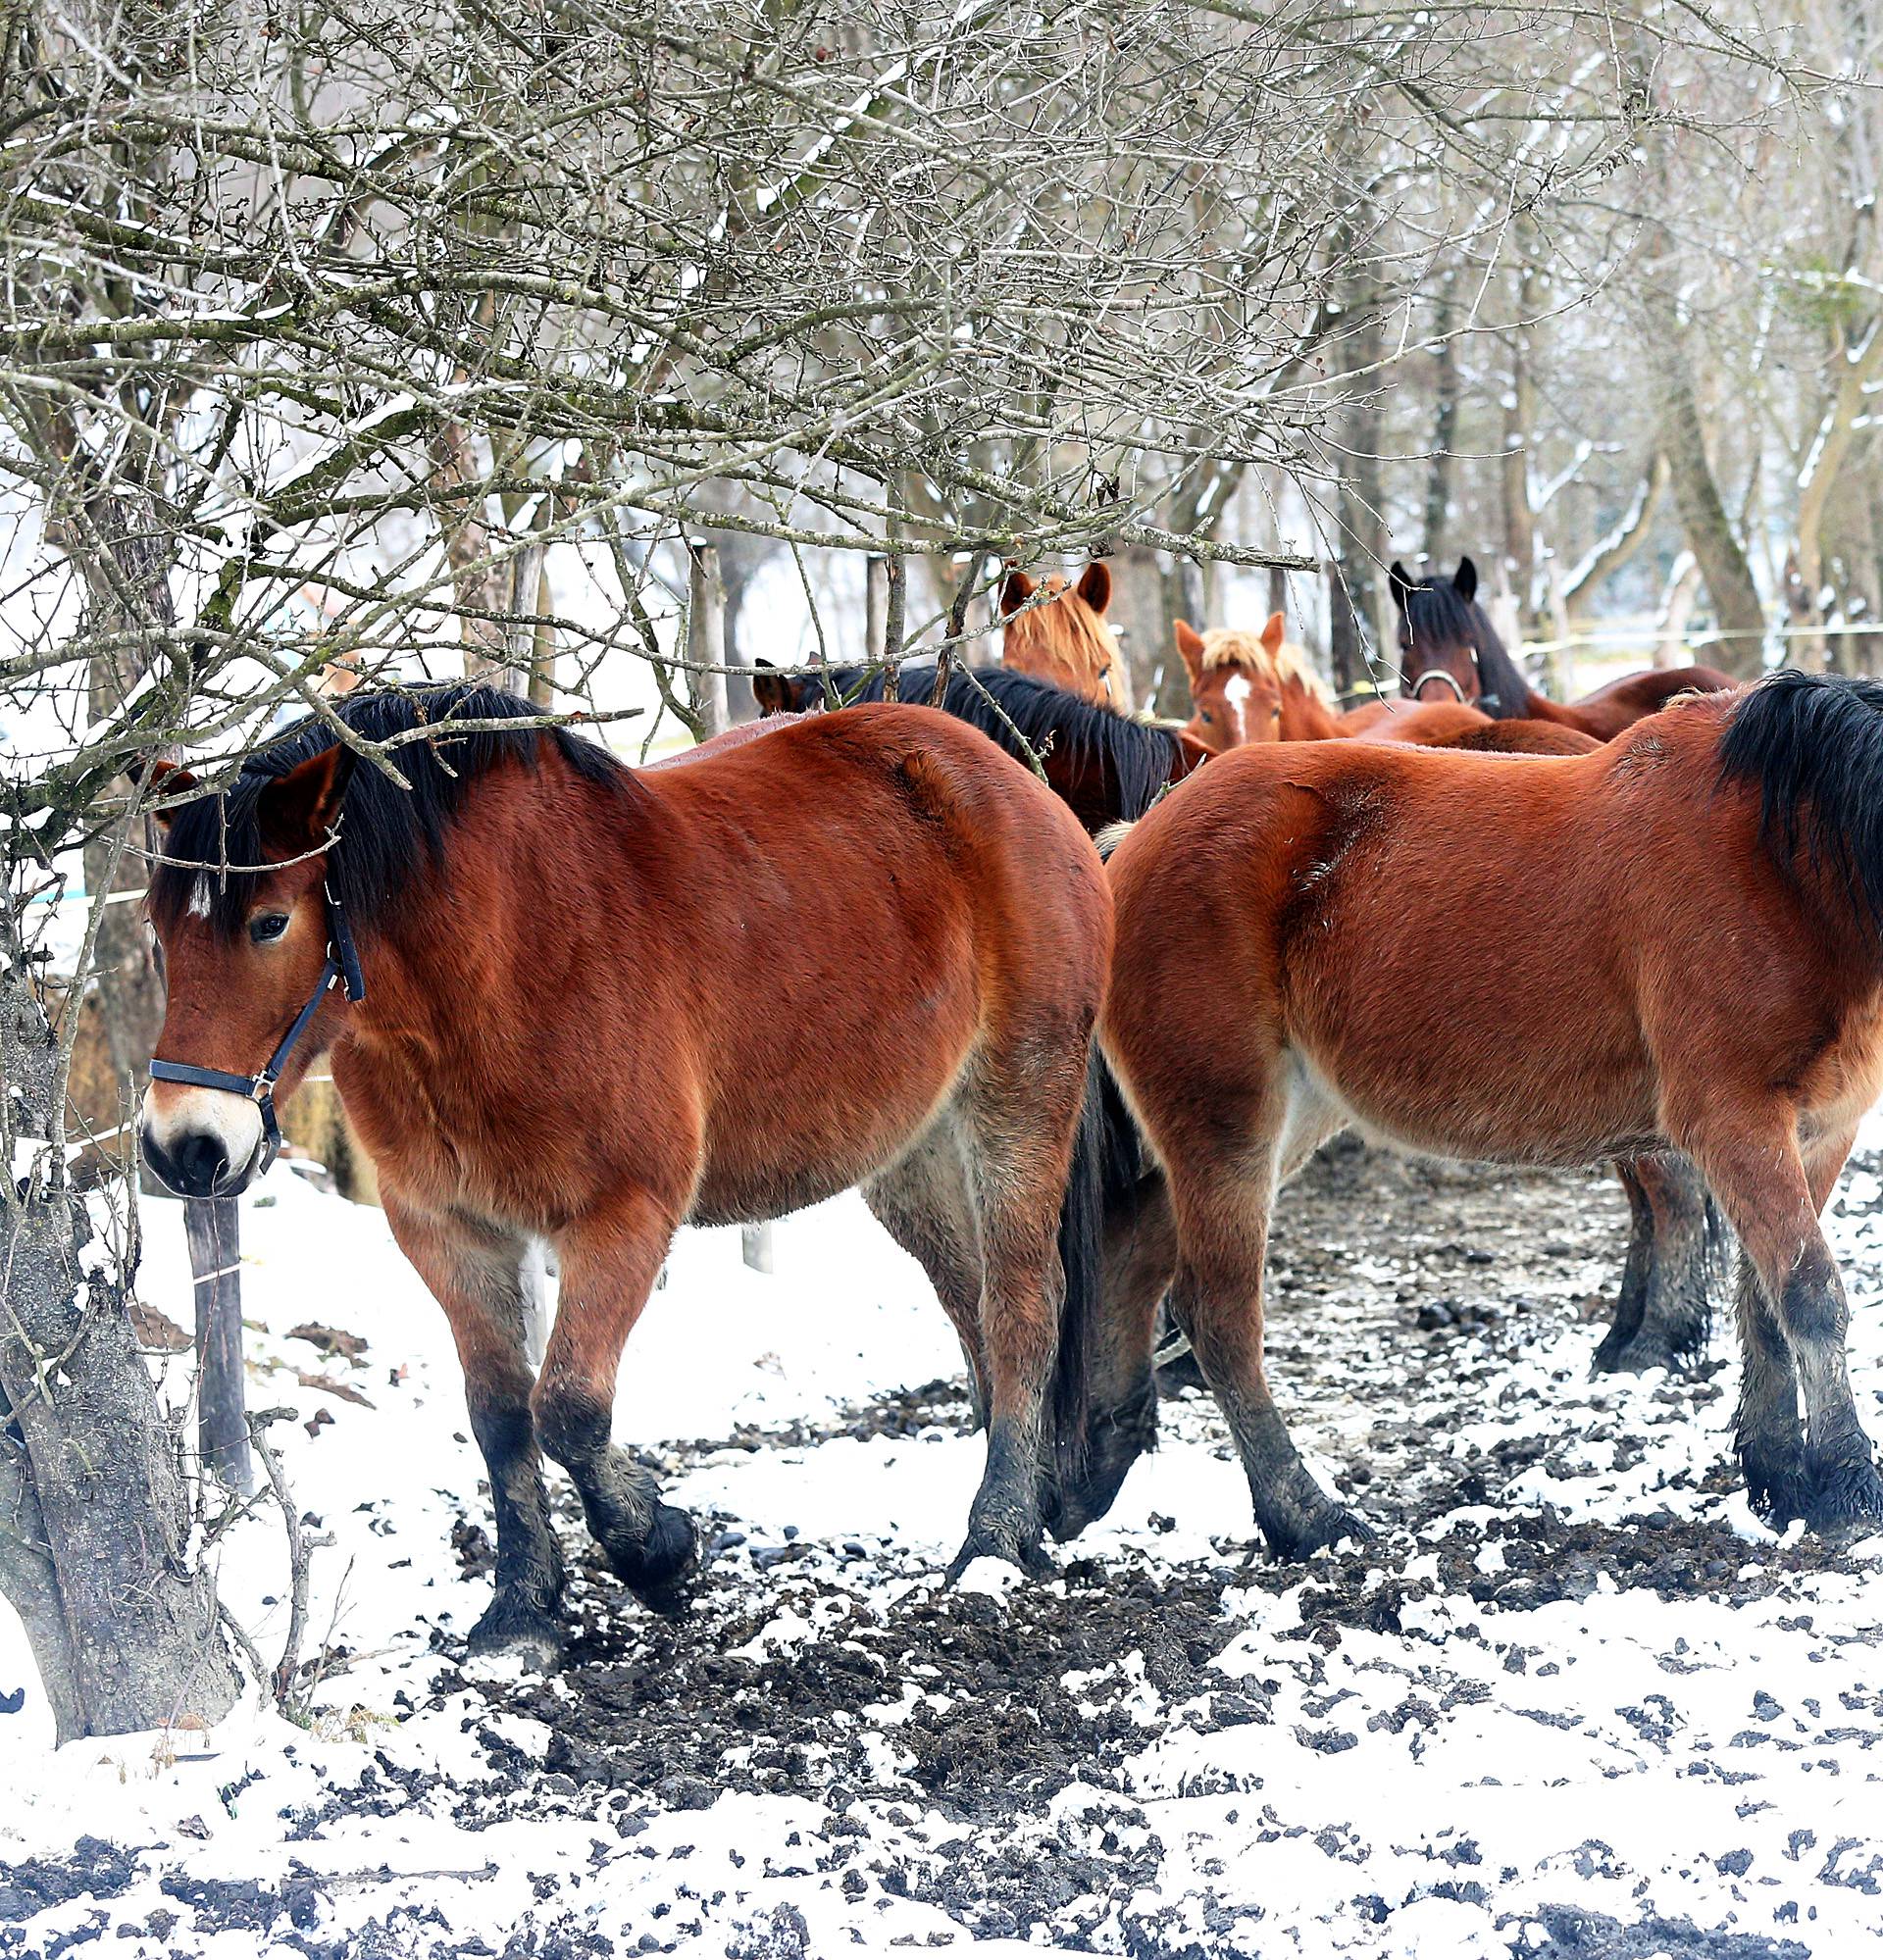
x=267, y=926
x=1209, y=720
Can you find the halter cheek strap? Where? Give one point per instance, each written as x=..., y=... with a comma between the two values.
x=342, y=965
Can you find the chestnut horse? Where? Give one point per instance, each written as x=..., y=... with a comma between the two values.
x=1064, y=639
x=564, y=978
x=1251, y=687
x=1254, y=687
x=1110, y=768
x=1679, y=937
x=1448, y=649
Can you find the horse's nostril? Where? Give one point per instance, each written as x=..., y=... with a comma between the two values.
x=195, y=1165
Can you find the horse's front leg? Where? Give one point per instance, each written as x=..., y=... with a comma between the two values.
x=610, y=1260
x=476, y=1270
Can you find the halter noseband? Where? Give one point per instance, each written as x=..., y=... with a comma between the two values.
x=1444, y=674
x=1489, y=702
x=342, y=965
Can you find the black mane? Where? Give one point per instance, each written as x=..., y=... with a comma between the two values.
x=1813, y=744
x=1136, y=757
x=387, y=833
x=1438, y=615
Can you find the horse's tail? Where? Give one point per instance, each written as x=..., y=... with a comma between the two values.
x=1105, y=1167
x=1813, y=744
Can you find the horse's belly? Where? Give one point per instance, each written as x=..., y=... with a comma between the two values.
x=1480, y=1110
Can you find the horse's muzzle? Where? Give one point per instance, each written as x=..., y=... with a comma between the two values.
x=209, y=1146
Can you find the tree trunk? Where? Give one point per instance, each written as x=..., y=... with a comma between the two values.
x=94, y=1517
x=1182, y=583
x=1440, y=482
x=706, y=638
x=1738, y=610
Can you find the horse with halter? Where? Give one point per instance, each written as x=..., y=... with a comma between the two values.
x=1449, y=649
x=548, y=983
x=1680, y=938
x=1110, y=768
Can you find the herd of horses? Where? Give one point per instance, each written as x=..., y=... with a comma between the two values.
x=873, y=942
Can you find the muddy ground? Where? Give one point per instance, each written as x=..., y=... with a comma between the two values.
x=1019, y=1763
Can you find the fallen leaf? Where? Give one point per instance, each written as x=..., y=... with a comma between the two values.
x=330, y=1340
x=345, y=1391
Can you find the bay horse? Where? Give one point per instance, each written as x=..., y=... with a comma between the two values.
x=1679, y=936
x=1449, y=649
x=1249, y=688
x=562, y=979
x=1108, y=766
x=1064, y=639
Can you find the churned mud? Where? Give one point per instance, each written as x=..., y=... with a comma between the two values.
x=1570, y=1700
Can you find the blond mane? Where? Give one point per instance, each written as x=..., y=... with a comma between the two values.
x=1230, y=646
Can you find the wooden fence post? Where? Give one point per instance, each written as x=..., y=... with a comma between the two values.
x=213, y=1227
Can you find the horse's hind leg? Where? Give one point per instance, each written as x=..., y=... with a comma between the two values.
x=1632, y=1302
x=1018, y=1113
x=477, y=1272
x=922, y=1201
x=1793, y=1316
x=609, y=1264
x=1223, y=1185
x=1672, y=1251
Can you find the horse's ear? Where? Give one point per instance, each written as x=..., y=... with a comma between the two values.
x=1016, y=591
x=1399, y=580
x=1190, y=643
x=1274, y=634
x=1095, y=586
x=297, y=810
x=166, y=778
x=1465, y=578
x=770, y=688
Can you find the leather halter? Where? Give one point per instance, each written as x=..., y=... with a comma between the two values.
x=1449, y=679
x=1489, y=702
x=342, y=965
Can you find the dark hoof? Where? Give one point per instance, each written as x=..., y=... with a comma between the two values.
x=1303, y=1538
x=657, y=1569
x=1638, y=1356
x=1032, y=1559
x=516, y=1626
x=1775, y=1485
x=1844, y=1500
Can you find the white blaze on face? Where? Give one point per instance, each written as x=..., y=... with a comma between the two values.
x=1236, y=692
x=172, y=1111
x=199, y=896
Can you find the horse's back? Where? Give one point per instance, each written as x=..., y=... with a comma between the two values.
x=1401, y=919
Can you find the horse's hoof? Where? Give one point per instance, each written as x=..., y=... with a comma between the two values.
x=1298, y=1540
x=1032, y=1558
x=516, y=1628
x=1677, y=1354
x=657, y=1569
x=1842, y=1500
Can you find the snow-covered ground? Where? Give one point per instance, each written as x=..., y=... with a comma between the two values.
x=1574, y=1699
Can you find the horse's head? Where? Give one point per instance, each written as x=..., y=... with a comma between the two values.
x=1064, y=637
x=1439, y=633
x=1249, y=687
x=776, y=694
x=245, y=951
